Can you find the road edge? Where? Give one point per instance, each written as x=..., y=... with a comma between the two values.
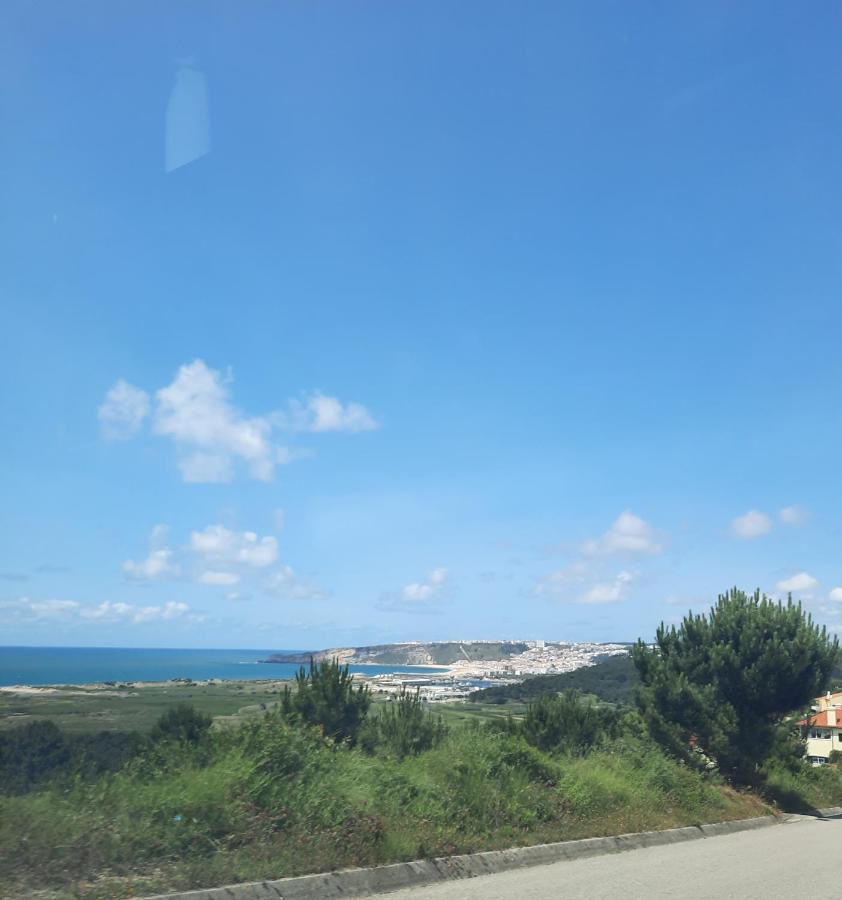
x=394, y=876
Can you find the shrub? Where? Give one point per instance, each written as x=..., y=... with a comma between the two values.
x=325, y=696
x=405, y=728
x=31, y=754
x=183, y=724
x=567, y=724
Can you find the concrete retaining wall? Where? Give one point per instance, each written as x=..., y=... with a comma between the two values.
x=362, y=882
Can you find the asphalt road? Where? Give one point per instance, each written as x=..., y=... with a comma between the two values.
x=769, y=863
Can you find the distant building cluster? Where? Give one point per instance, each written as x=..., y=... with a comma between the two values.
x=541, y=658
x=465, y=675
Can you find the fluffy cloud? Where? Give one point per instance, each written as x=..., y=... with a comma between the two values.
x=107, y=611
x=223, y=546
x=211, y=434
x=159, y=564
x=628, y=535
x=123, y=411
x=803, y=581
x=752, y=525
x=585, y=581
x=216, y=556
x=286, y=585
x=422, y=591
x=612, y=591
x=793, y=515
x=836, y=594
x=580, y=583
x=418, y=596
x=319, y=412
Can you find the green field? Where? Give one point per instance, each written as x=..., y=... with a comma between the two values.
x=79, y=710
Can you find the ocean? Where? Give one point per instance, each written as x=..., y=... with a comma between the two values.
x=88, y=665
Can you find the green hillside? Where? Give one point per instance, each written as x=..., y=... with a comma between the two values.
x=613, y=680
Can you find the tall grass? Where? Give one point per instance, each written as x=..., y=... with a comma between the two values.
x=272, y=800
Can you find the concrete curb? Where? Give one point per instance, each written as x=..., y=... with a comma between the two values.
x=361, y=882
x=829, y=813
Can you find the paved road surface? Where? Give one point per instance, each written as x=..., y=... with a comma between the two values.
x=799, y=858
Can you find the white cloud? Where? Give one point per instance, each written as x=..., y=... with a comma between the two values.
x=418, y=596
x=105, y=612
x=793, y=515
x=585, y=580
x=216, y=555
x=803, y=581
x=211, y=434
x=49, y=609
x=629, y=534
x=612, y=591
x=174, y=610
x=286, y=585
x=123, y=411
x=219, y=578
x=157, y=566
x=579, y=583
x=319, y=413
x=752, y=525
x=421, y=592
x=836, y=594
x=221, y=545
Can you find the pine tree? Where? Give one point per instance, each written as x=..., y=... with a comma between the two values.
x=325, y=696
x=721, y=683
x=405, y=728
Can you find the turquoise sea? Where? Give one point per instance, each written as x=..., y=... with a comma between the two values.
x=88, y=665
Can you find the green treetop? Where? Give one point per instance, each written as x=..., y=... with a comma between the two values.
x=325, y=696
x=721, y=683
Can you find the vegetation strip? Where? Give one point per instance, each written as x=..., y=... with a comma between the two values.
x=327, y=780
x=361, y=882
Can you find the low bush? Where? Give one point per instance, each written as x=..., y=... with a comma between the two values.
x=405, y=728
x=182, y=723
x=39, y=752
x=567, y=724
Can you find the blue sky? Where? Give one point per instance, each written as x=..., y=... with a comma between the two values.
x=361, y=321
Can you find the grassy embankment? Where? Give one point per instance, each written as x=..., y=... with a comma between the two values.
x=267, y=800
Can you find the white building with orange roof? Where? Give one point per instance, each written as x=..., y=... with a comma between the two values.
x=823, y=729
